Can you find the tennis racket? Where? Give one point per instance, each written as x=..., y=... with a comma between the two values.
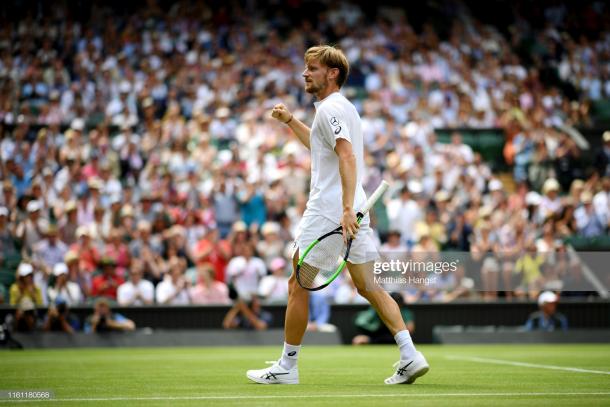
x=325, y=257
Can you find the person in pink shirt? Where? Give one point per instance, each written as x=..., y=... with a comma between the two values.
x=207, y=290
x=118, y=250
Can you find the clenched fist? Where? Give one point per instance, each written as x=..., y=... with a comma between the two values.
x=281, y=113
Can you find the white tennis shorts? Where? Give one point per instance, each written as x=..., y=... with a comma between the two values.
x=363, y=248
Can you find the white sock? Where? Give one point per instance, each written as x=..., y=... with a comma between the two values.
x=405, y=344
x=290, y=356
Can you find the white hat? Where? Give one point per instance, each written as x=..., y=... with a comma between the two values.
x=240, y=226
x=25, y=269
x=59, y=269
x=586, y=197
x=95, y=183
x=33, y=206
x=270, y=227
x=533, y=198
x=82, y=230
x=441, y=196
x=415, y=187
x=495, y=185
x=124, y=87
x=223, y=112
x=546, y=297
x=77, y=124
x=550, y=184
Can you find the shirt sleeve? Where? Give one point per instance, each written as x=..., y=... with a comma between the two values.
x=333, y=125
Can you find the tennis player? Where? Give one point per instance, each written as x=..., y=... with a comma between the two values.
x=337, y=166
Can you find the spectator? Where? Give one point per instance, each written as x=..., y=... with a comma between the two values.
x=104, y=320
x=49, y=251
x=147, y=248
x=274, y=288
x=247, y=316
x=9, y=252
x=245, y=272
x=550, y=204
x=59, y=319
x=319, y=311
x=225, y=207
x=118, y=250
x=373, y=331
x=136, y=291
x=174, y=289
x=24, y=287
x=483, y=251
x=86, y=251
x=208, y=290
x=68, y=224
x=26, y=318
x=602, y=159
x=211, y=249
x=588, y=222
x=82, y=278
x=393, y=248
x=32, y=229
x=64, y=290
x=547, y=319
x=271, y=246
x=601, y=201
x=106, y=284
x=404, y=212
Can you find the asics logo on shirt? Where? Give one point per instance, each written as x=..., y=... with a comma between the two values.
x=338, y=130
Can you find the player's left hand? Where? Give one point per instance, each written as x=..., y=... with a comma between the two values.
x=349, y=224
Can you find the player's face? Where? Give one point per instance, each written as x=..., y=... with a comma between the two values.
x=315, y=76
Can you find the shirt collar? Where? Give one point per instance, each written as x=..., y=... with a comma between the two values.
x=319, y=102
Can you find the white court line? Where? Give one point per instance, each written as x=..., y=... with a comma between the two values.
x=523, y=364
x=314, y=396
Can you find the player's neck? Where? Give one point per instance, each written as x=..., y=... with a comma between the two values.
x=323, y=94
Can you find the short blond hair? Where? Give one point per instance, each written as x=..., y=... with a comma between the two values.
x=331, y=57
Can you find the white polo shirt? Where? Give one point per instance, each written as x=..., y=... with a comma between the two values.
x=335, y=118
x=126, y=293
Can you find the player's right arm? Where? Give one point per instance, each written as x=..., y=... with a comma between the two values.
x=282, y=114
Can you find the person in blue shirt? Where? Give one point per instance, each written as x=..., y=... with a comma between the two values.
x=547, y=319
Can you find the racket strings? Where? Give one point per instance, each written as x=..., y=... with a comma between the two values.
x=322, y=261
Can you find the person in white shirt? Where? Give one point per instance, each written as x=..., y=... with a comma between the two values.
x=136, y=291
x=403, y=213
x=246, y=271
x=337, y=170
x=274, y=288
x=64, y=289
x=173, y=290
x=601, y=201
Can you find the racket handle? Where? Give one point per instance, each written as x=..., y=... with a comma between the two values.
x=375, y=196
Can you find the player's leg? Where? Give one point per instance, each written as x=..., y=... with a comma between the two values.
x=297, y=310
x=386, y=307
x=412, y=363
x=285, y=370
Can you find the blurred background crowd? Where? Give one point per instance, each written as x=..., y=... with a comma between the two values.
x=139, y=163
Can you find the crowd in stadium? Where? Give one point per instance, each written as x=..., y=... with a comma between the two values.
x=140, y=164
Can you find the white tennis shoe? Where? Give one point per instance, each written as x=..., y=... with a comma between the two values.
x=274, y=374
x=409, y=370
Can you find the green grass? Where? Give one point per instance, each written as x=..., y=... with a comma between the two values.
x=330, y=376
